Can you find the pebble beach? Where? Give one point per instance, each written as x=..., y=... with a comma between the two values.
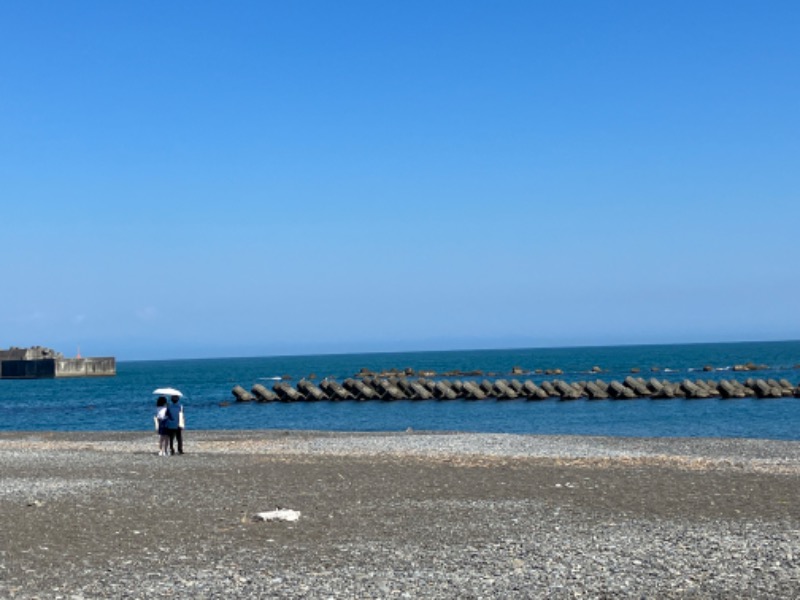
x=397, y=515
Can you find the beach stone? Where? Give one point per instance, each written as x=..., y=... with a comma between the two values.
x=400, y=515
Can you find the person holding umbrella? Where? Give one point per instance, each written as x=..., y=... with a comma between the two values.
x=173, y=422
x=161, y=427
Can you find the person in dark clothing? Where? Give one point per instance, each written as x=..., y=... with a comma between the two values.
x=174, y=424
x=161, y=425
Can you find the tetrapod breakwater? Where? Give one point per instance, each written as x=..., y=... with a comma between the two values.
x=369, y=387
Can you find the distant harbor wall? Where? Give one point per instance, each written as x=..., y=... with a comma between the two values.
x=105, y=366
x=43, y=363
x=43, y=368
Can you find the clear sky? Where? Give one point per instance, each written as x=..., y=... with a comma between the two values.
x=197, y=179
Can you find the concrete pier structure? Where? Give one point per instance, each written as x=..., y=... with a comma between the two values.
x=38, y=362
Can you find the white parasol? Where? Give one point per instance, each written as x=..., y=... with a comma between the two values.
x=168, y=392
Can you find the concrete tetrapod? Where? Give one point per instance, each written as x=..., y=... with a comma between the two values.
x=400, y=388
x=262, y=394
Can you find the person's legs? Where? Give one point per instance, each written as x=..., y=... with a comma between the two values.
x=172, y=434
x=179, y=435
x=163, y=444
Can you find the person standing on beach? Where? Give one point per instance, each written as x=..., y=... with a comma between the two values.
x=175, y=424
x=161, y=421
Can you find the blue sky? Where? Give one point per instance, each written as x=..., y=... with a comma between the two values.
x=191, y=179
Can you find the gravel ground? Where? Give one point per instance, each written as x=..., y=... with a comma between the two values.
x=413, y=515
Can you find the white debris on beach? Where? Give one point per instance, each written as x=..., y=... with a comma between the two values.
x=280, y=514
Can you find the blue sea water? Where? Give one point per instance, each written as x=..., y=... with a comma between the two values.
x=125, y=402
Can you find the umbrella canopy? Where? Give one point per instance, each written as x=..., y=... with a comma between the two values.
x=168, y=392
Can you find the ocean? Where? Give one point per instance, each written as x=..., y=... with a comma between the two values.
x=126, y=403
